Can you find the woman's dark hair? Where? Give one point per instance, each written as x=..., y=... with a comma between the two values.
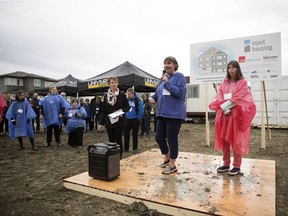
x=236, y=65
x=172, y=59
x=18, y=93
x=75, y=100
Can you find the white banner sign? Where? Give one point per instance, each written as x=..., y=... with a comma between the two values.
x=259, y=58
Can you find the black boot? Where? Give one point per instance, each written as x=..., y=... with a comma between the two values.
x=33, y=144
x=20, y=144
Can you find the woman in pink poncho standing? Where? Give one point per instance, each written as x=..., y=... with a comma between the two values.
x=235, y=110
x=2, y=105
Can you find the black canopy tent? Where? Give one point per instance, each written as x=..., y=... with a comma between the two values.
x=128, y=75
x=67, y=85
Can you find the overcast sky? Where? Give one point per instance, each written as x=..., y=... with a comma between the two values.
x=86, y=38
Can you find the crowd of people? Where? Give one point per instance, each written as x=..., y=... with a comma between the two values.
x=120, y=112
x=54, y=112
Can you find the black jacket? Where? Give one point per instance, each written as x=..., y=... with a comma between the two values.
x=121, y=103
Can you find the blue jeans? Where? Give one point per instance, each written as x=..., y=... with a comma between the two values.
x=167, y=131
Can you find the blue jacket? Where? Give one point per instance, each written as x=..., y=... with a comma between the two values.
x=52, y=105
x=170, y=97
x=131, y=114
x=75, y=121
x=22, y=112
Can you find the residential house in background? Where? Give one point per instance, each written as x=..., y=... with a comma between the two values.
x=12, y=82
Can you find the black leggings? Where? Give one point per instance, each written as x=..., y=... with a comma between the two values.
x=56, y=133
x=75, y=138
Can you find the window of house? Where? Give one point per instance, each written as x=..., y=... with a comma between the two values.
x=47, y=84
x=37, y=82
x=193, y=91
x=13, y=81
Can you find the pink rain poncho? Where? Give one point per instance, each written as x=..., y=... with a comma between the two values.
x=235, y=127
x=2, y=105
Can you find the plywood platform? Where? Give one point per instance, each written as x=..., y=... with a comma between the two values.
x=196, y=189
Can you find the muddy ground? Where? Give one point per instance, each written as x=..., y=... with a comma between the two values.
x=31, y=182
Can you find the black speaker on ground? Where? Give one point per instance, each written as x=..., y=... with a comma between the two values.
x=104, y=161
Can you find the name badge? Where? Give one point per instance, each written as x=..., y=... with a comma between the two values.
x=227, y=96
x=20, y=111
x=70, y=114
x=165, y=92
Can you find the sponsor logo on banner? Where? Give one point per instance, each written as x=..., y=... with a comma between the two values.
x=98, y=83
x=273, y=76
x=254, y=76
x=247, y=45
x=270, y=58
x=257, y=46
x=151, y=82
x=242, y=59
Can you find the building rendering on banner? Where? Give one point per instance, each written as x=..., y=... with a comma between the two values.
x=213, y=60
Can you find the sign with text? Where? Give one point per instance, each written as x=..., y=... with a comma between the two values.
x=151, y=82
x=98, y=83
x=259, y=58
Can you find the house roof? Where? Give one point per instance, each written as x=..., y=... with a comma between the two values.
x=67, y=84
x=21, y=74
x=211, y=51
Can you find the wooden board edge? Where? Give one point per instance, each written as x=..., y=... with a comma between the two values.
x=166, y=209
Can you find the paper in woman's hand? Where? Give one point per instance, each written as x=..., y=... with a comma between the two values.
x=116, y=114
x=114, y=117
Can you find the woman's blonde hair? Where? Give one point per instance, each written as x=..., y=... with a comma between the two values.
x=52, y=88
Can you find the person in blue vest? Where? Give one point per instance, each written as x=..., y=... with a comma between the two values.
x=171, y=112
x=133, y=117
x=76, y=124
x=52, y=109
x=20, y=115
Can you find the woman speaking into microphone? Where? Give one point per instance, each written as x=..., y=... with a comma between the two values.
x=171, y=112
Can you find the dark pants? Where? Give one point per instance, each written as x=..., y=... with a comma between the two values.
x=37, y=123
x=61, y=126
x=2, y=126
x=167, y=135
x=20, y=140
x=56, y=133
x=115, y=136
x=145, y=128
x=75, y=138
x=134, y=125
x=3, y=123
x=155, y=123
x=89, y=123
